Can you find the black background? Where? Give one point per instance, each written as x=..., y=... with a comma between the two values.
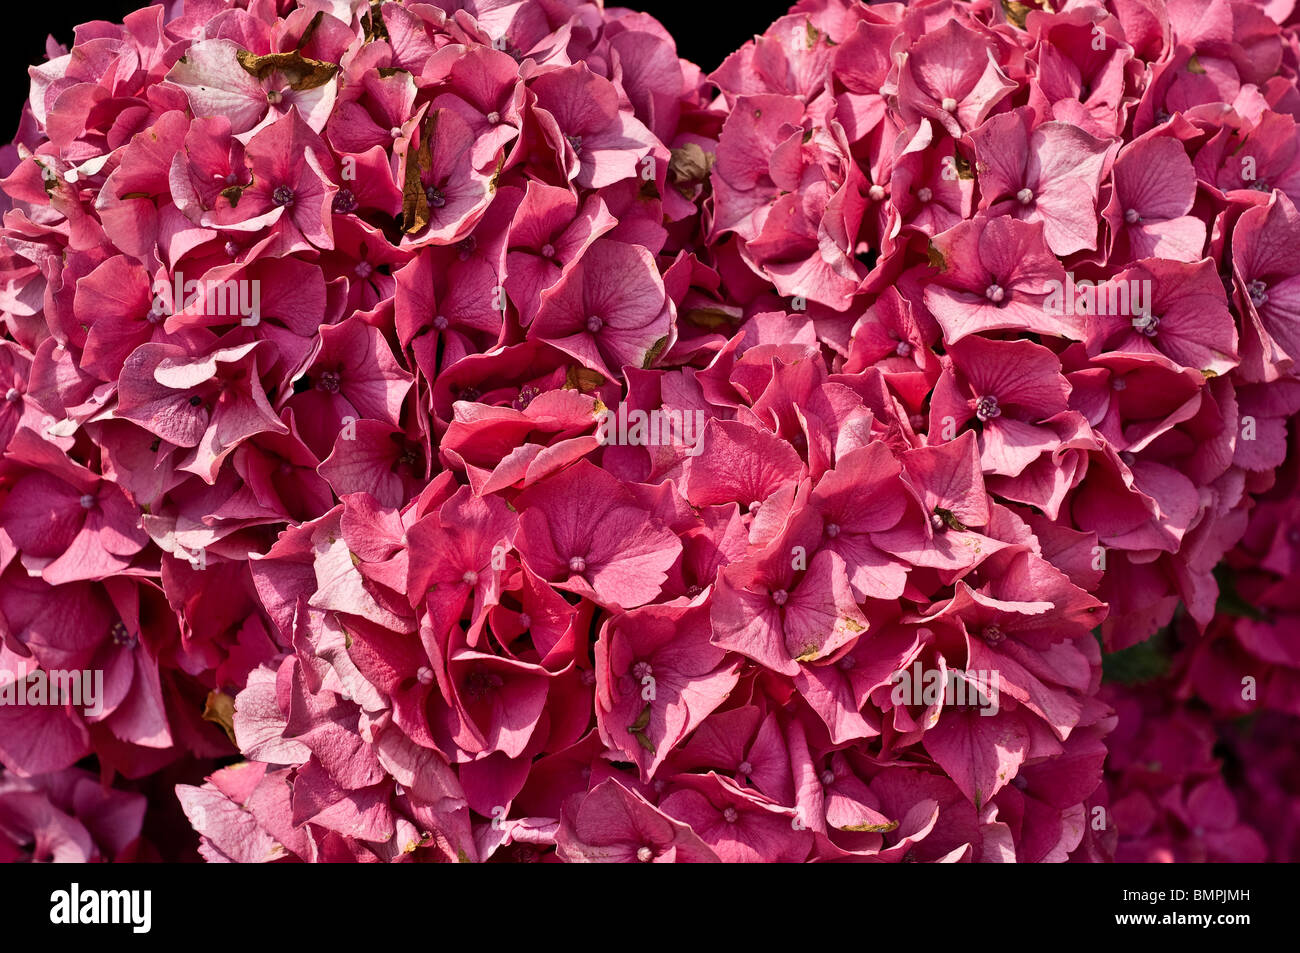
x=268, y=906
x=706, y=31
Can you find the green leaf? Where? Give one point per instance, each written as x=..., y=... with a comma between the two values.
x=1143, y=662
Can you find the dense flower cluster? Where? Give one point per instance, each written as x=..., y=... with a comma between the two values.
x=1167, y=790
x=473, y=433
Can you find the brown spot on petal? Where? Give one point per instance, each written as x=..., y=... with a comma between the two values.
x=301, y=72
x=656, y=349
x=711, y=319
x=949, y=519
x=690, y=164
x=1017, y=13
x=872, y=828
x=220, y=709
x=582, y=379
x=415, y=202
x=808, y=653
x=642, y=720
x=638, y=727
x=234, y=193
x=937, y=259
x=374, y=24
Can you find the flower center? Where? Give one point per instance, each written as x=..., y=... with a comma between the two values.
x=435, y=197
x=924, y=193
x=877, y=193
x=903, y=349
x=641, y=669
x=1118, y=384
x=440, y=322
x=827, y=778
x=424, y=675
x=87, y=501
x=986, y=408
x=526, y=395
x=344, y=201
x=283, y=196
x=949, y=104
x=780, y=596
x=577, y=564
x=121, y=636
x=995, y=293
x=329, y=382
x=1131, y=216
x=1258, y=292
x=12, y=395
x=938, y=523
x=729, y=815
x=548, y=250
x=645, y=854
x=274, y=97
x=832, y=530
x=1147, y=324
x=470, y=578
x=493, y=118
x=1024, y=196
x=575, y=142
x=745, y=768
x=363, y=270
x=594, y=323
x=525, y=620
x=481, y=682
x=993, y=634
